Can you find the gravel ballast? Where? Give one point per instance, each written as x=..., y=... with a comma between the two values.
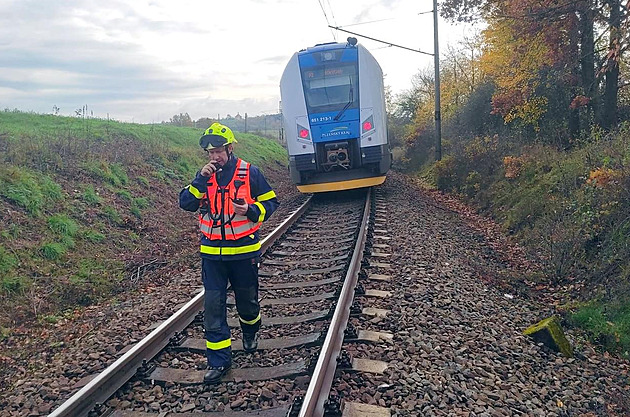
x=458, y=348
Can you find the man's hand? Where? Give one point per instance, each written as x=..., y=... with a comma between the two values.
x=209, y=169
x=240, y=209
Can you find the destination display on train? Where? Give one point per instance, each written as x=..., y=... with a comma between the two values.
x=312, y=74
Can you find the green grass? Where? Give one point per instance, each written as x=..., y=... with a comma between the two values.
x=136, y=212
x=12, y=285
x=27, y=188
x=93, y=236
x=53, y=251
x=63, y=225
x=124, y=194
x=607, y=324
x=90, y=196
x=112, y=214
x=7, y=261
x=141, y=202
x=110, y=173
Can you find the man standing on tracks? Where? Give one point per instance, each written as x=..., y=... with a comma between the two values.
x=233, y=198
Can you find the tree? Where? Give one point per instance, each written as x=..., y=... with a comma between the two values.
x=182, y=119
x=564, y=34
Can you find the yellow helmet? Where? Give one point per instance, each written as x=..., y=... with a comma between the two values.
x=215, y=136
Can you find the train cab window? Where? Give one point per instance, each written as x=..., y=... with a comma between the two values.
x=329, y=89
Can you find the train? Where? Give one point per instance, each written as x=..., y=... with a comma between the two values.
x=334, y=118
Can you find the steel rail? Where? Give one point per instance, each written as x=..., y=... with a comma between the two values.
x=319, y=388
x=114, y=376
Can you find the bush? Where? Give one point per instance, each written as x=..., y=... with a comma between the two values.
x=444, y=175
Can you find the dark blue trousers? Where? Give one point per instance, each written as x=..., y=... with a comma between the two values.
x=243, y=276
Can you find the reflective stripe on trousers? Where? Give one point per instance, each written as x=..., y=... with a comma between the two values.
x=243, y=275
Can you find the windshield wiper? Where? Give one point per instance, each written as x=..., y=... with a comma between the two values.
x=350, y=101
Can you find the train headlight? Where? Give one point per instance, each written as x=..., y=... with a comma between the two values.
x=328, y=56
x=333, y=157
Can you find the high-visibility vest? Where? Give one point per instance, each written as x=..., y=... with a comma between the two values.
x=219, y=221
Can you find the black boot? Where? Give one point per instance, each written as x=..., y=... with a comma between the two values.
x=250, y=342
x=215, y=373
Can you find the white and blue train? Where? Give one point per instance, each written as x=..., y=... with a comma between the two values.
x=334, y=119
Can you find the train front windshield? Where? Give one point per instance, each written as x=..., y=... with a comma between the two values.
x=330, y=88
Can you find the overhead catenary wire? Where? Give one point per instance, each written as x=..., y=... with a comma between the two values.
x=381, y=41
x=327, y=21
x=332, y=13
x=365, y=23
x=383, y=20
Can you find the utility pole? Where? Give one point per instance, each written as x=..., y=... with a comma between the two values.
x=436, y=59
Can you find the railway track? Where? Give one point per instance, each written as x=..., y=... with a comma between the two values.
x=308, y=287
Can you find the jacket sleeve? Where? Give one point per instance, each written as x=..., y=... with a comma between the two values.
x=190, y=197
x=266, y=201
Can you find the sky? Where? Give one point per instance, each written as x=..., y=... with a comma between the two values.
x=145, y=61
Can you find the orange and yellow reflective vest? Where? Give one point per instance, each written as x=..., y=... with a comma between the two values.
x=219, y=221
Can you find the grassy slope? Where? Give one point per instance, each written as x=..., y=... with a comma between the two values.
x=84, y=202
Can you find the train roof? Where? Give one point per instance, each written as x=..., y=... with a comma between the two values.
x=326, y=47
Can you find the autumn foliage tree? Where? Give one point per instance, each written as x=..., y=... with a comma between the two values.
x=546, y=59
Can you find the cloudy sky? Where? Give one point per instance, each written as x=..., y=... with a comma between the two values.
x=146, y=60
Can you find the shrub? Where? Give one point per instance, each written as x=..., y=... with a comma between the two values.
x=63, y=225
x=444, y=174
x=513, y=166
